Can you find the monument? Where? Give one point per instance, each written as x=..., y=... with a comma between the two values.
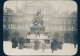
x=37, y=22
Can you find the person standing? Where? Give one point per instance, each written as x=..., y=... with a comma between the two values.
x=75, y=44
x=43, y=45
x=54, y=45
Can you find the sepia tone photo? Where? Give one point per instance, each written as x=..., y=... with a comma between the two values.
x=40, y=27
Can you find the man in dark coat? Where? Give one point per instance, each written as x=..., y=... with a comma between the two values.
x=75, y=44
x=54, y=45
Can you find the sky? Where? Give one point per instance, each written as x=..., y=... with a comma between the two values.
x=55, y=5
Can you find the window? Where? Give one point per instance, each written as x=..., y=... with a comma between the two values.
x=6, y=26
x=7, y=19
x=72, y=28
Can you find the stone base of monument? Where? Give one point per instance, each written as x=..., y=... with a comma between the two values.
x=28, y=45
x=34, y=29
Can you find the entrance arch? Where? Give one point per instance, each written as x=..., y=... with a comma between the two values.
x=5, y=35
x=75, y=37
x=66, y=38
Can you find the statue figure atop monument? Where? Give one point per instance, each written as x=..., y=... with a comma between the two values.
x=37, y=22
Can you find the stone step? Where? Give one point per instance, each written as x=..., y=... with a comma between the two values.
x=48, y=47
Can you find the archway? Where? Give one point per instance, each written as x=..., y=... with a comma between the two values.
x=5, y=35
x=66, y=38
x=76, y=37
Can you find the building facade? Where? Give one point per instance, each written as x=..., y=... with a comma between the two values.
x=21, y=21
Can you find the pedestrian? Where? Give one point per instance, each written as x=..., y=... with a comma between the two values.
x=43, y=45
x=74, y=44
x=54, y=45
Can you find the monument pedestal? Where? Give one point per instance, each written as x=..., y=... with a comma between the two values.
x=36, y=29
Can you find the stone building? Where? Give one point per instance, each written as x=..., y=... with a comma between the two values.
x=21, y=21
